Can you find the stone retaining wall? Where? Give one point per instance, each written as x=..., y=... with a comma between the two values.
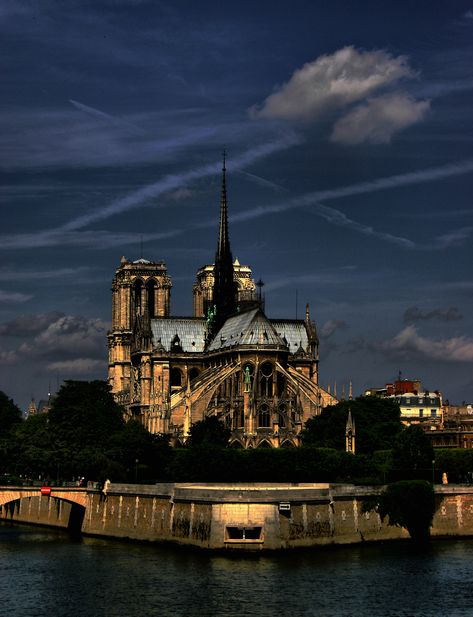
x=250, y=517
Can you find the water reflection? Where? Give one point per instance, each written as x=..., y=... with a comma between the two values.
x=43, y=572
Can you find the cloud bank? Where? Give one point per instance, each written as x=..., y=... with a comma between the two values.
x=332, y=82
x=335, y=82
x=408, y=341
x=379, y=119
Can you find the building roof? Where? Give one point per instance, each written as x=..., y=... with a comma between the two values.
x=249, y=328
x=191, y=332
x=294, y=331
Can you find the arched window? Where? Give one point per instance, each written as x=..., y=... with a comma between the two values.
x=264, y=417
x=282, y=415
x=193, y=373
x=176, y=378
x=150, y=296
x=266, y=379
x=137, y=294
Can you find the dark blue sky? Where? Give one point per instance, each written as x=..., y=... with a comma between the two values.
x=349, y=134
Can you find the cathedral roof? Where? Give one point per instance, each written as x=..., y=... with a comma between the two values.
x=293, y=331
x=249, y=328
x=191, y=332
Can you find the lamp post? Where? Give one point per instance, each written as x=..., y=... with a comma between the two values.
x=136, y=470
x=433, y=471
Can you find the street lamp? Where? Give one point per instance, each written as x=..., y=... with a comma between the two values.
x=136, y=470
x=433, y=471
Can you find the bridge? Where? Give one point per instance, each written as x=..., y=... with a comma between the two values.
x=78, y=498
x=78, y=495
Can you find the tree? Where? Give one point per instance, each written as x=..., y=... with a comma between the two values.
x=34, y=450
x=409, y=504
x=210, y=432
x=82, y=421
x=10, y=414
x=377, y=423
x=413, y=450
x=84, y=413
x=142, y=456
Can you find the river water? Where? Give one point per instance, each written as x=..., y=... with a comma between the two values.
x=45, y=573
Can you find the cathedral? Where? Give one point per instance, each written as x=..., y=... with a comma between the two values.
x=258, y=375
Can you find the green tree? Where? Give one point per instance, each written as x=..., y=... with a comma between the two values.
x=142, y=456
x=409, y=504
x=413, y=451
x=10, y=415
x=210, y=432
x=34, y=449
x=377, y=423
x=10, y=418
x=82, y=421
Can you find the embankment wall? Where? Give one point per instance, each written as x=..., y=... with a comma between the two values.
x=250, y=517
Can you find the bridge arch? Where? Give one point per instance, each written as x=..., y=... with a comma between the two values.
x=79, y=497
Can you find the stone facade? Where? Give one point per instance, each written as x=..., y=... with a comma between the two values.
x=204, y=283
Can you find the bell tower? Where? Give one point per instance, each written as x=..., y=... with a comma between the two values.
x=139, y=288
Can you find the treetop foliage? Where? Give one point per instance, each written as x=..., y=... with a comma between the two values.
x=377, y=425
x=10, y=414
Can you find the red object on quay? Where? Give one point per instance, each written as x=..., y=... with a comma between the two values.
x=45, y=490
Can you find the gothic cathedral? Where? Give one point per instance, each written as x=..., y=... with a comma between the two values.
x=258, y=375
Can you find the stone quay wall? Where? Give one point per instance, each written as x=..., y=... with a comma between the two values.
x=248, y=517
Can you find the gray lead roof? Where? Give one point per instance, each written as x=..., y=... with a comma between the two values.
x=248, y=328
x=191, y=332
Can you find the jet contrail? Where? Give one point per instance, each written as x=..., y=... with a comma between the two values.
x=339, y=218
x=92, y=111
x=145, y=194
x=104, y=239
x=309, y=199
x=262, y=181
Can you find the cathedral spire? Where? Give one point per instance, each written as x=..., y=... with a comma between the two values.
x=224, y=291
x=223, y=245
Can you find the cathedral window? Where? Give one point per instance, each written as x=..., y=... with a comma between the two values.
x=150, y=297
x=193, y=373
x=264, y=417
x=176, y=378
x=137, y=297
x=266, y=379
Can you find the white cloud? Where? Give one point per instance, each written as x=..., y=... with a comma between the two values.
x=79, y=366
x=332, y=82
x=456, y=349
x=73, y=335
x=379, y=119
x=11, y=296
x=331, y=326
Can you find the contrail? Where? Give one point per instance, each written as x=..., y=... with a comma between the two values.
x=173, y=181
x=309, y=199
x=92, y=111
x=339, y=218
x=262, y=181
x=104, y=239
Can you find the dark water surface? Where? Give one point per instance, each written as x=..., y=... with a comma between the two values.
x=44, y=572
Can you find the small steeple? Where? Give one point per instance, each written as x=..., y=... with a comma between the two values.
x=350, y=434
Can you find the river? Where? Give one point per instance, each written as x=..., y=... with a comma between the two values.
x=45, y=573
